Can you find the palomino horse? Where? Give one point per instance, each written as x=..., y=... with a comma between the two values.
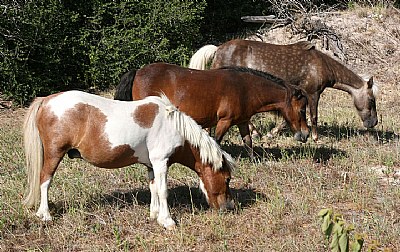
x=113, y=134
x=298, y=64
x=221, y=97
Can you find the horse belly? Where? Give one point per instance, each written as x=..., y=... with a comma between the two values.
x=120, y=156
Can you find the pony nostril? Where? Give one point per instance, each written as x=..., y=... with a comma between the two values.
x=298, y=136
x=370, y=123
x=228, y=206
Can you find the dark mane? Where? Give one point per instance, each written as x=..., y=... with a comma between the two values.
x=265, y=75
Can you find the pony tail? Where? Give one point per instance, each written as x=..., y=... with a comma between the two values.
x=123, y=91
x=33, y=154
x=201, y=58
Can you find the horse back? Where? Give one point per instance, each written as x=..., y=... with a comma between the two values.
x=295, y=63
x=188, y=89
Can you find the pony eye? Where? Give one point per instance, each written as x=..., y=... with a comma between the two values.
x=227, y=180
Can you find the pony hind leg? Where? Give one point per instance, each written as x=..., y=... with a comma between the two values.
x=254, y=131
x=278, y=128
x=50, y=164
x=245, y=134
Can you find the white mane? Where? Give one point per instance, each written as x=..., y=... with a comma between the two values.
x=375, y=86
x=375, y=90
x=210, y=151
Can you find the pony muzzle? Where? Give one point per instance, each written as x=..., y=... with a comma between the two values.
x=301, y=136
x=229, y=205
x=370, y=123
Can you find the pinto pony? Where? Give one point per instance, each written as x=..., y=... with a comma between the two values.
x=298, y=64
x=221, y=97
x=113, y=134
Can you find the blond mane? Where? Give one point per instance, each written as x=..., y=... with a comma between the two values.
x=210, y=151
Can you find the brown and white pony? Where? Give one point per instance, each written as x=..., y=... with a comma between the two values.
x=114, y=134
x=298, y=64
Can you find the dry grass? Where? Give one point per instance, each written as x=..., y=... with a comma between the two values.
x=277, y=198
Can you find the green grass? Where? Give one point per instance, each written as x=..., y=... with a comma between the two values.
x=277, y=198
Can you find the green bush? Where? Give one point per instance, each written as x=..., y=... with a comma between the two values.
x=129, y=35
x=51, y=45
x=39, y=49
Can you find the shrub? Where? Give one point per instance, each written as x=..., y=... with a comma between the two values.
x=49, y=46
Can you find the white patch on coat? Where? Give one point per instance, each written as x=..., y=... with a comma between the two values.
x=203, y=189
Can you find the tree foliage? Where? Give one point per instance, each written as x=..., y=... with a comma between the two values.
x=39, y=48
x=51, y=45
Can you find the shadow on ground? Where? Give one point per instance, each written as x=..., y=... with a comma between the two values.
x=184, y=198
x=319, y=154
x=343, y=132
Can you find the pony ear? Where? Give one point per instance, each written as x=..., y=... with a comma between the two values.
x=370, y=82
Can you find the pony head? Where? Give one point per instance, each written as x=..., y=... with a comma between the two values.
x=295, y=112
x=214, y=183
x=365, y=102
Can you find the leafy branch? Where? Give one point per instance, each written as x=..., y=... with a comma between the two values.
x=335, y=228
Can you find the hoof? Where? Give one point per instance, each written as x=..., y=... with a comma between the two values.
x=318, y=142
x=153, y=216
x=171, y=227
x=45, y=216
x=168, y=224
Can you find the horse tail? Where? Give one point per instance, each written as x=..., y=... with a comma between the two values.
x=123, y=91
x=202, y=57
x=33, y=154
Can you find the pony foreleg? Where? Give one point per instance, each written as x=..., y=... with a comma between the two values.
x=221, y=128
x=154, y=203
x=160, y=181
x=43, y=211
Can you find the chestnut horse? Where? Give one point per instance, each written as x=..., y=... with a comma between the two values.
x=114, y=134
x=221, y=97
x=298, y=64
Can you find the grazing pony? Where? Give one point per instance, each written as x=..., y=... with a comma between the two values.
x=298, y=64
x=114, y=134
x=221, y=97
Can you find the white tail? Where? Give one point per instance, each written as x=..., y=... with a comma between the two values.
x=33, y=154
x=201, y=58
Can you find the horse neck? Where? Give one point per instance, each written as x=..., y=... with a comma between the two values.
x=269, y=98
x=188, y=156
x=342, y=77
